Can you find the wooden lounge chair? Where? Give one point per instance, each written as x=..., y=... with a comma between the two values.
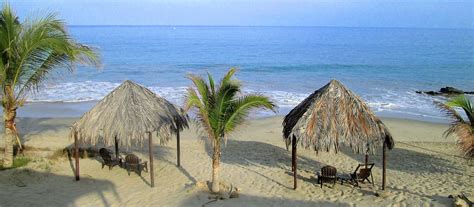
x=328, y=174
x=108, y=159
x=133, y=163
x=361, y=173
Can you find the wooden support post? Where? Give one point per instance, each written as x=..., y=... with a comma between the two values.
x=150, y=147
x=116, y=149
x=292, y=156
x=366, y=160
x=76, y=155
x=178, y=147
x=384, y=165
x=293, y=142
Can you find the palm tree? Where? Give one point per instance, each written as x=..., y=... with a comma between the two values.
x=30, y=51
x=220, y=109
x=463, y=129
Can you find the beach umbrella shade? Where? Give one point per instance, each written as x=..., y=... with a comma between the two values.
x=128, y=116
x=331, y=117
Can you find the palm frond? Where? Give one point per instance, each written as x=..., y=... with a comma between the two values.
x=85, y=54
x=194, y=101
x=202, y=89
x=224, y=99
x=2, y=68
x=31, y=50
x=460, y=101
x=220, y=109
x=464, y=130
x=9, y=29
x=47, y=46
x=241, y=108
x=211, y=83
x=465, y=135
x=227, y=77
x=464, y=103
x=34, y=78
x=450, y=112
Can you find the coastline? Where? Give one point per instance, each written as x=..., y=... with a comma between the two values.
x=53, y=132
x=77, y=109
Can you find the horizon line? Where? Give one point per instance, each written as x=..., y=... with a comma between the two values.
x=200, y=25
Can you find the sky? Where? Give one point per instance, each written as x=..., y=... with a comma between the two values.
x=337, y=13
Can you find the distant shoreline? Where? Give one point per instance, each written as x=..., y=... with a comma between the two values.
x=77, y=109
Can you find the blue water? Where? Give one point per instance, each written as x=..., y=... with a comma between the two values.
x=383, y=65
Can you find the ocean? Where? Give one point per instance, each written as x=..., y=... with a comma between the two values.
x=385, y=66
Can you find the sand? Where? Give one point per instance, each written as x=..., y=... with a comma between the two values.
x=423, y=169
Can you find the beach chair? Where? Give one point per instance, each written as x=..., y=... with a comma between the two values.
x=133, y=163
x=328, y=175
x=108, y=159
x=361, y=174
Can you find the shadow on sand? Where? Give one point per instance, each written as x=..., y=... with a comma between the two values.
x=409, y=161
x=161, y=153
x=16, y=182
x=201, y=199
x=28, y=127
x=236, y=153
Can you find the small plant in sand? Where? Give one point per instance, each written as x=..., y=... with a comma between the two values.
x=220, y=109
x=463, y=129
x=30, y=51
x=18, y=162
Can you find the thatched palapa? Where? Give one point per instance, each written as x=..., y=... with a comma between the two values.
x=128, y=116
x=129, y=112
x=333, y=116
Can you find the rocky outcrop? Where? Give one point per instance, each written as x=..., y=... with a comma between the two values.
x=446, y=91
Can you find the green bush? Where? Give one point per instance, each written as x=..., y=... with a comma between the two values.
x=18, y=162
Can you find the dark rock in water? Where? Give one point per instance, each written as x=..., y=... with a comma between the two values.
x=432, y=93
x=446, y=91
x=451, y=90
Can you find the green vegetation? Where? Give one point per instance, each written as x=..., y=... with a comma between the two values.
x=463, y=129
x=18, y=162
x=30, y=51
x=220, y=109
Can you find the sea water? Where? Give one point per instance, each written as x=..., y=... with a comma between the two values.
x=385, y=66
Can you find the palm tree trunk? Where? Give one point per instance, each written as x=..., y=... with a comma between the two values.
x=216, y=158
x=9, y=115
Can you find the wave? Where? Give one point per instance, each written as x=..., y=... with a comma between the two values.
x=73, y=92
x=379, y=100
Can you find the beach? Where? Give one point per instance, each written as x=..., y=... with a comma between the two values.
x=236, y=103
x=423, y=169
